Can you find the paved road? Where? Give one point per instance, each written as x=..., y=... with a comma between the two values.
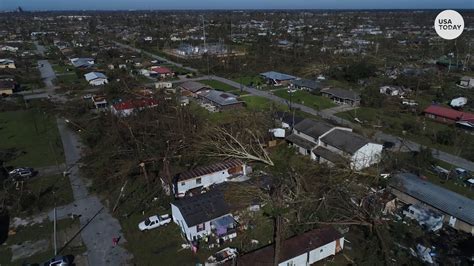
x=98, y=234
x=328, y=114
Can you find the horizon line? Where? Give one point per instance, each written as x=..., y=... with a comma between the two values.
x=233, y=9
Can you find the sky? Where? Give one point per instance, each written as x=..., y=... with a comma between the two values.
x=233, y=4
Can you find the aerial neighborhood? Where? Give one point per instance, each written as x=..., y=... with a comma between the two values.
x=269, y=137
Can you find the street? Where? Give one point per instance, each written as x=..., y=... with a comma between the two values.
x=327, y=114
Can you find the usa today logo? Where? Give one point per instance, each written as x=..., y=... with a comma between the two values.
x=449, y=24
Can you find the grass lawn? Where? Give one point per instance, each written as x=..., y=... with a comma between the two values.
x=70, y=79
x=33, y=136
x=249, y=80
x=43, y=231
x=59, y=69
x=303, y=97
x=218, y=85
x=52, y=190
x=257, y=102
x=394, y=122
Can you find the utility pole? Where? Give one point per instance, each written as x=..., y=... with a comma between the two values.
x=205, y=44
x=55, y=234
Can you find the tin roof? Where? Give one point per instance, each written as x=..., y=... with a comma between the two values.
x=277, y=76
x=438, y=197
x=209, y=169
x=449, y=113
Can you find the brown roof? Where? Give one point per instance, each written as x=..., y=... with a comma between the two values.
x=209, y=169
x=291, y=247
x=193, y=86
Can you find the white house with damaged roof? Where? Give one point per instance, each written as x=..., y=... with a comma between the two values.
x=7, y=63
x=96, y=78
x=277, y=78
x=466, y=82
x=206, y=176
x=333, y=145
x=458, y=210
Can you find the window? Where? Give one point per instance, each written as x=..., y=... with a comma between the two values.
x=183, y=183
x=321, y=251
x=198, y=181
x=201, y=227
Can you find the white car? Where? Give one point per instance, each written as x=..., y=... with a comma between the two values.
x=154, y=222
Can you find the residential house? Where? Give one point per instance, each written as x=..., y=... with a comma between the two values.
x=458, y=210
x=301, y=250
x=204, y=215
x=8, y=48
x=7, y=63
x=99, y=101
x=162, y=72
x=192, y=88
x=221, y=100
x=96, y=78
x=83, y=62
x=448, y=115
x=342, y=96
x=205, y=176
x=467, y=82
x=7, y=87
x=360, y=151
x=126, y=108
x=277, y=79
x=306, y=84
x=332, y=145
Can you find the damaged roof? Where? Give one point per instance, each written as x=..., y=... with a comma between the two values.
x=301, y=142
x=291, y=248
x=193, y=86
x=209, y=169
x=203, y=207
x=438, y=197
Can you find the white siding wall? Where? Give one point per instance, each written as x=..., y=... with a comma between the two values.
x=206, y=180
x=322, y=252
x=179, y=220
x=370, y=154
x=314, y=255
x=297, y=261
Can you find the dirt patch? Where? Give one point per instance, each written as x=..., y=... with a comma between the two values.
x=29, y=248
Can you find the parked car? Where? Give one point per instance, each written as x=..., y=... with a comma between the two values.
x=154, y=222
x=87, y=97
x=21, y=172
x=222, y=256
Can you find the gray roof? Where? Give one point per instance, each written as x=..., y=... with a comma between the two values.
x=288, y=118
x=438, y=197
x=329, y=155
x=94, y=75
x=277, y=75
x=342, y=93
x=203, y=207
x=313, y=128
x=220, y=98
x=82, y=62
x=346, y=141
x=307, y=83
x=193, y=86
x=301, y=142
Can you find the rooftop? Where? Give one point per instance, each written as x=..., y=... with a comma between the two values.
x=346, y=141
x=193, y=86
x=449, y=113
x=209, y=169
x=220, y=98
x=307, y=83
x=342, y=93
x=203, y=207
x=291, y=248
x=438, y=197
x=277, y=75
x=313, y=128
x=94, y=75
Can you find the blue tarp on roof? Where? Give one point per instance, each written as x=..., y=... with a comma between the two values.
x=277, y=76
